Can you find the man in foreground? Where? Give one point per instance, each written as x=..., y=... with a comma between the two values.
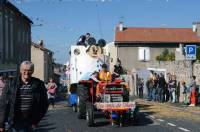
x=27, y=101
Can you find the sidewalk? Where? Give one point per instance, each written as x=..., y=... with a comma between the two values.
x=178, y=106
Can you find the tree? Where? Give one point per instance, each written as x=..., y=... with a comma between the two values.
x=166, y=56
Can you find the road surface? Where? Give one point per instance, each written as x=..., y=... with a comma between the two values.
x=63, y=119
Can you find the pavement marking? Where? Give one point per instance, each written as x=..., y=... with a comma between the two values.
x=171, y=124
x=152, y=117
x=186, y=130
x=160, y=120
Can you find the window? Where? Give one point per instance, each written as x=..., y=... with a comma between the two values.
x=144, y=54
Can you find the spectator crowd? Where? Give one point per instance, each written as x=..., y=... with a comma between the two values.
x=162, y=89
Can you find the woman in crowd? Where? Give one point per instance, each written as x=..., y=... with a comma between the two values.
x=155, y=87
x=193, y=95
x=141, y=87
x=51, y=91
x=184, y=92
x=172, y=88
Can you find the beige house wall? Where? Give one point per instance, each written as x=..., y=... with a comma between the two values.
x=43, y=61
x=37, y=57
x=129, y=56
x=48, y=66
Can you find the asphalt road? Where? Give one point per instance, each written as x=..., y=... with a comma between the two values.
x=63, y=119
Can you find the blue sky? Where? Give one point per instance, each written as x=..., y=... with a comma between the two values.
x=65, y=20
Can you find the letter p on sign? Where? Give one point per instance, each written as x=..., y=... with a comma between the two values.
x=191, y=50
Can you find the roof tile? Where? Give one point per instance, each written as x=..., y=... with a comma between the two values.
x=156, y=35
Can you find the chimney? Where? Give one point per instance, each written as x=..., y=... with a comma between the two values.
x=41, y=43
x=196, y=28
x=120, y=26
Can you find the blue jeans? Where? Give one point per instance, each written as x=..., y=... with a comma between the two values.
x=154, y=94
x=150, y=94
x=160, y=95
x=140, y=92
x=172, y=95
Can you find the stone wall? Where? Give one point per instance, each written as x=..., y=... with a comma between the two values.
x=196, y=71
x=182, y=69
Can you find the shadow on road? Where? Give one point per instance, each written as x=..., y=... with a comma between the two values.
x=44, y=129
x=45, y=125
x=103, y=123
x=144, y=120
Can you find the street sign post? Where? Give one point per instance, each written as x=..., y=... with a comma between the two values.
x=191, y=52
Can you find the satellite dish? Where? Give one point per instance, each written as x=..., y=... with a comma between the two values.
x=102, y=42
x=91, y=41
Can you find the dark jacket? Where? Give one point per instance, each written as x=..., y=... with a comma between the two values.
x=4, y=101
x=172, y=84
x=162, y=83
x=192, y=85
x=39, y=102
x=118, y=69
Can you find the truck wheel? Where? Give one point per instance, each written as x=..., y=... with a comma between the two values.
x=81, y=101
x=90, y=114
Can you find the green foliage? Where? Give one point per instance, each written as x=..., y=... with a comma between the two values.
x=166, y=56
x=198, y=53
x=165, y=52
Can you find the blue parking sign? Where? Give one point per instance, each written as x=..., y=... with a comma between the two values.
x=191, y=52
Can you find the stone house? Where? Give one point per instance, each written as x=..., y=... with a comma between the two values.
x=43, y=61
x=136, y=46
x=15, y=37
